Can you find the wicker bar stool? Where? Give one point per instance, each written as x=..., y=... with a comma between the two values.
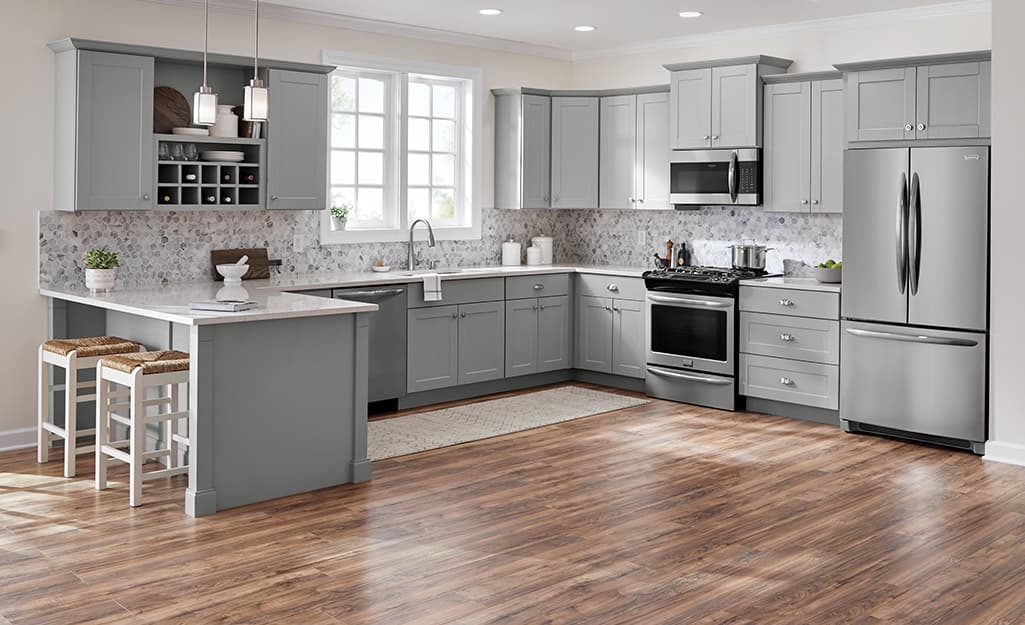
x=139, y=372
x=72, y=355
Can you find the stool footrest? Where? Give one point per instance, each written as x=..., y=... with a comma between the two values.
x=180, y=414
x=152, y=475
x=125, y=421
x=181, y=440
x=55, y=429
x=116, y=453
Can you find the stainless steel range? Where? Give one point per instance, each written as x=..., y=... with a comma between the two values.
x=691, y=336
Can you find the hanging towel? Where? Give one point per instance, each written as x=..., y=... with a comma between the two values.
x=432, y=287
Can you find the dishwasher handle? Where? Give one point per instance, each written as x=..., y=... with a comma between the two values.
x=373, y=294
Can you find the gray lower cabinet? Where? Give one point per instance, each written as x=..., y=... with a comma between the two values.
x=537, y=335
x=104, y=131
x=792, y=381
x=299, y=115
x=611, y=336
x=433, y=348
x=555, y=333
x=574, y=152
x=481, y=335
x=628, y=338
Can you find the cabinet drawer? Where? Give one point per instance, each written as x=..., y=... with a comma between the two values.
x=804, y=383
x=522, y=287
x=611, y=286
x=784, y=336
x=460, y=292
x=796, y=302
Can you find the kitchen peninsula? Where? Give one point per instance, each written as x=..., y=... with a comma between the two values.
x=277, y=394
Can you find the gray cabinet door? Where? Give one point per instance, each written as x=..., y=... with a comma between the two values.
x=628, y=336
x=297, y=141
x=114, y=148
x=536, y=151
x=481, y=342
x=594, y=333
x=652, y=188
x=827, y=146
x=574, y=152
x=433, y=349
x=521, y=337
x=555, y=343
x=881, y=104
x=690, y=123
x=788, y=162
x=953, y=101
x=735, y=106
x=618, y=158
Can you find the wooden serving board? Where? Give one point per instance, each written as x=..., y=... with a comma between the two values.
x=259, y=264
x=170, y=110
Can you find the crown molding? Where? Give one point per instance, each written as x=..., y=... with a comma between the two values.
x=862, y=20
x=323, y=18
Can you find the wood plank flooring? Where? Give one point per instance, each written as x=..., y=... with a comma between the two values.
x=658, y=514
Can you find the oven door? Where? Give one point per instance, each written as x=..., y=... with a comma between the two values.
x=702, y=177
x=691, y=332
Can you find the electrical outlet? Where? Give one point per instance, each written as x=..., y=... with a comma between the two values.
x=642, y=237
x=300, y=242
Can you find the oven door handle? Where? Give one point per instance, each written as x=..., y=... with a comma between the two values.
x=666, y=299
x=688, y=376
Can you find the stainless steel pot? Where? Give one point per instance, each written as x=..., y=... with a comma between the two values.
x=748, y=255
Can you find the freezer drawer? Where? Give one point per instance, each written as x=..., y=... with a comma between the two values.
x=912, y=379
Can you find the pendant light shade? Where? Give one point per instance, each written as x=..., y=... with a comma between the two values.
x=204, y=101
x=255, y=105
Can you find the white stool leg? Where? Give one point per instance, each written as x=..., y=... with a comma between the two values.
x=43, y=436
x=138, y=438
x=70, y=414
x=172, y=428
x=102, y=425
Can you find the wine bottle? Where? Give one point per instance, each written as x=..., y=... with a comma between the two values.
x=190, y=177
x=227, y=199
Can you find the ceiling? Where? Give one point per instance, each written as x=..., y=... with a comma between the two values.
x=618, y=23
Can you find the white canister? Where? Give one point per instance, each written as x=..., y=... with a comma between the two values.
x=533, y=255
x=545, y=243
x=227, y=122
x=511, y=256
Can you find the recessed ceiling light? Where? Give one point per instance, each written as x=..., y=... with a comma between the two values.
x=690, y=13
x=583, y=29
x=491, y=11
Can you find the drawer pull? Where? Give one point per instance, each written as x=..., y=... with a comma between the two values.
x=786, y=302
x=612, y=287
x=786, y=337
x=786, y=381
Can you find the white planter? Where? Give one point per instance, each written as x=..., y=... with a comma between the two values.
x=337, y=224
x=100, y=279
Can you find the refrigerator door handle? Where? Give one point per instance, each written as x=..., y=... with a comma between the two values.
x=915, y=235
x=912, y=338
x=902, y=235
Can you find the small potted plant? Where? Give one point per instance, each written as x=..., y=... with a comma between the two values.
x=339, y=215
x=100, y=269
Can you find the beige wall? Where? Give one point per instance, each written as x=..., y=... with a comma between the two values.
x=26, y=111
x=1007, y=336
x=811, y=50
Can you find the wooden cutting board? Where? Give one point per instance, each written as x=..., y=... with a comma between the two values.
x=170, y=110
x=259, y=264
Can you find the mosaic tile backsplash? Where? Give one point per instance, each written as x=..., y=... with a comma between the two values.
x=159, y=247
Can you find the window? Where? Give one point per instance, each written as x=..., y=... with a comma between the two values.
x=405, y=145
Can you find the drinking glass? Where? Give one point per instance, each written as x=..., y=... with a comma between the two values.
x=177, y=154
x=191, y=153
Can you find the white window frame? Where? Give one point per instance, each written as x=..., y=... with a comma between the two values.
x=470, y=135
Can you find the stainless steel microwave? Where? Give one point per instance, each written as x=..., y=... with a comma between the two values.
x=715, y=177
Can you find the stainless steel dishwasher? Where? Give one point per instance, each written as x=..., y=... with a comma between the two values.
x=387, y=369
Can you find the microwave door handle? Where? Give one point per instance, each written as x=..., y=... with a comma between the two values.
x=732, y=177
x=902, y=235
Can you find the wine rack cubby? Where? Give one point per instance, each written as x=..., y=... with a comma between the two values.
x=203, y=183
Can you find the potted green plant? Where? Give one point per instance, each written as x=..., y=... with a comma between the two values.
x=339, y=215
x=100, y=269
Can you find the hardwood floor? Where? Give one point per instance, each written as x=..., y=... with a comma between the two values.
x=662, y=513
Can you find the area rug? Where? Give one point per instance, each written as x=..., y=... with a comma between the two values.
x=387, y=438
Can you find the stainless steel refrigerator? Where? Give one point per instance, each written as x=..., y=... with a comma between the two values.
x=915, y=301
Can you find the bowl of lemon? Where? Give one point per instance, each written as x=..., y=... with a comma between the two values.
x=829, y=271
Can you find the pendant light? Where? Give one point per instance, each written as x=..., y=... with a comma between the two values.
x=204, y=101
x=254, y=105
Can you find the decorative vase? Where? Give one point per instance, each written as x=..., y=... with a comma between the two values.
x=227, y=122
x=337, y=224
x=100, y=280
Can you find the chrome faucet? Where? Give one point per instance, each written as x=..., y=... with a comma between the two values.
x=430, y=240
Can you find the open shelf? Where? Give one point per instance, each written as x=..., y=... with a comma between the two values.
x=207, y=139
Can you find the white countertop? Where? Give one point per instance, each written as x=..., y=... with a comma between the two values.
x=786, y=282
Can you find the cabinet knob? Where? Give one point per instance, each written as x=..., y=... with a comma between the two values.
x=613, y=287
x=921, y=127
x=786, y=381
x=786, y=337
x=535, y=306
x=641, y=200
x=814, y=201
x=631, y=200
x=545, y=198
x=715, y=137
x=463, y=315
x=274, y=197
x=608, y=308
x=908, y=127
x=145, y=196
x=539, y=287
x=804, y=201
x=542, y=307
x=706, y=137
x=455, y=315
x=615, y=309
x=786, y=302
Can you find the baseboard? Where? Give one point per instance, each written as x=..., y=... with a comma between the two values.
x=17, y=439
x=1008, y=453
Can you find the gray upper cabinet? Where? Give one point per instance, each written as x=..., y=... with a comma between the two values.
x=298, y=125
x=690, y=125
x=719, y=103
x=618, y=150
x=574, y=152
x=933, y=97
x=804, y=143
x=104, y=131
x=523, y=137
x=433, y=348
x=652, y=189
x=481, y=342
x=628, y=338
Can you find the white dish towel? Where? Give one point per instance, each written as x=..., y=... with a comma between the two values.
x=432, y=287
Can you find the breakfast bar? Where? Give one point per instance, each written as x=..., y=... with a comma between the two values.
x=277, y=394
